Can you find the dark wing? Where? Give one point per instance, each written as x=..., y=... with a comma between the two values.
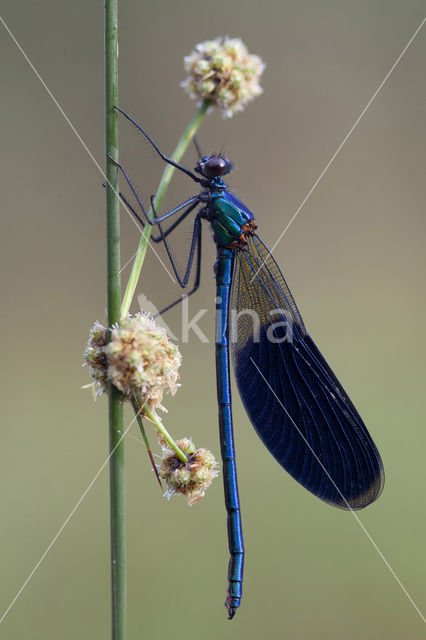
x=293, y=399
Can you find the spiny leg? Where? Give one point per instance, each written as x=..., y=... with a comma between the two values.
x=195, y=244
x=190, y=205
x=153, y=220
x=160, y=153
x=172, y=226
x=182, y=280
x=197, y=270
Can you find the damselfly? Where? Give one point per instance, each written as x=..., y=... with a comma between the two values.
x=293, y=399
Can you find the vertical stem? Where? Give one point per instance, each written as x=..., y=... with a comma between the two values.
x=116, y=443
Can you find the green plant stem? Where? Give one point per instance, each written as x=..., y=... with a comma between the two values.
x=116, y=442
x=145, y=438
x=140, y=423
x=151, y=415
x=181, y=147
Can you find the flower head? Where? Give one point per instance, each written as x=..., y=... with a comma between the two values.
x=140, y=360
x=190, y=478
x=95, y=357
x=224, y=72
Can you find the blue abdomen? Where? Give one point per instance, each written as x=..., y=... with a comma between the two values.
x=229, y=217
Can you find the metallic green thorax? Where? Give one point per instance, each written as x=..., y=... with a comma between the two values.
x=229, y=217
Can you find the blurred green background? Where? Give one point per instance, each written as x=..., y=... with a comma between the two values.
x=354, y=258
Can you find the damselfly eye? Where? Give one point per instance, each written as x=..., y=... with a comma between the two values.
x=215, y=167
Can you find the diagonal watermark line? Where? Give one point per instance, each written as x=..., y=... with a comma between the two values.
x=66, y=521
x=128, y=261
x=129, y=435
x=339, y=148
x=343, y=497
x=80, y=139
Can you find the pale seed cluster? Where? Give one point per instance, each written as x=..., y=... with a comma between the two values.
x=140, y=360
x=224, y=72
x=190, y=478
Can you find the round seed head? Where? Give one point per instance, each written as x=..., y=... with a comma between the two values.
x=142, y=361
x=191, y=478
x=224, y=72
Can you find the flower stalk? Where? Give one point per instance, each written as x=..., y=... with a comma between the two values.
x=176, y=156
x=145, y=439
x=115, y=404
x=154, y=418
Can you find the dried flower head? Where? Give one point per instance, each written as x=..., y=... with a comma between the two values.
x=95, y=357
x=223, y=71
x=191, y=478
x=142, y=361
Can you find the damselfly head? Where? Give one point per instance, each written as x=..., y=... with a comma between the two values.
x=213, y=166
